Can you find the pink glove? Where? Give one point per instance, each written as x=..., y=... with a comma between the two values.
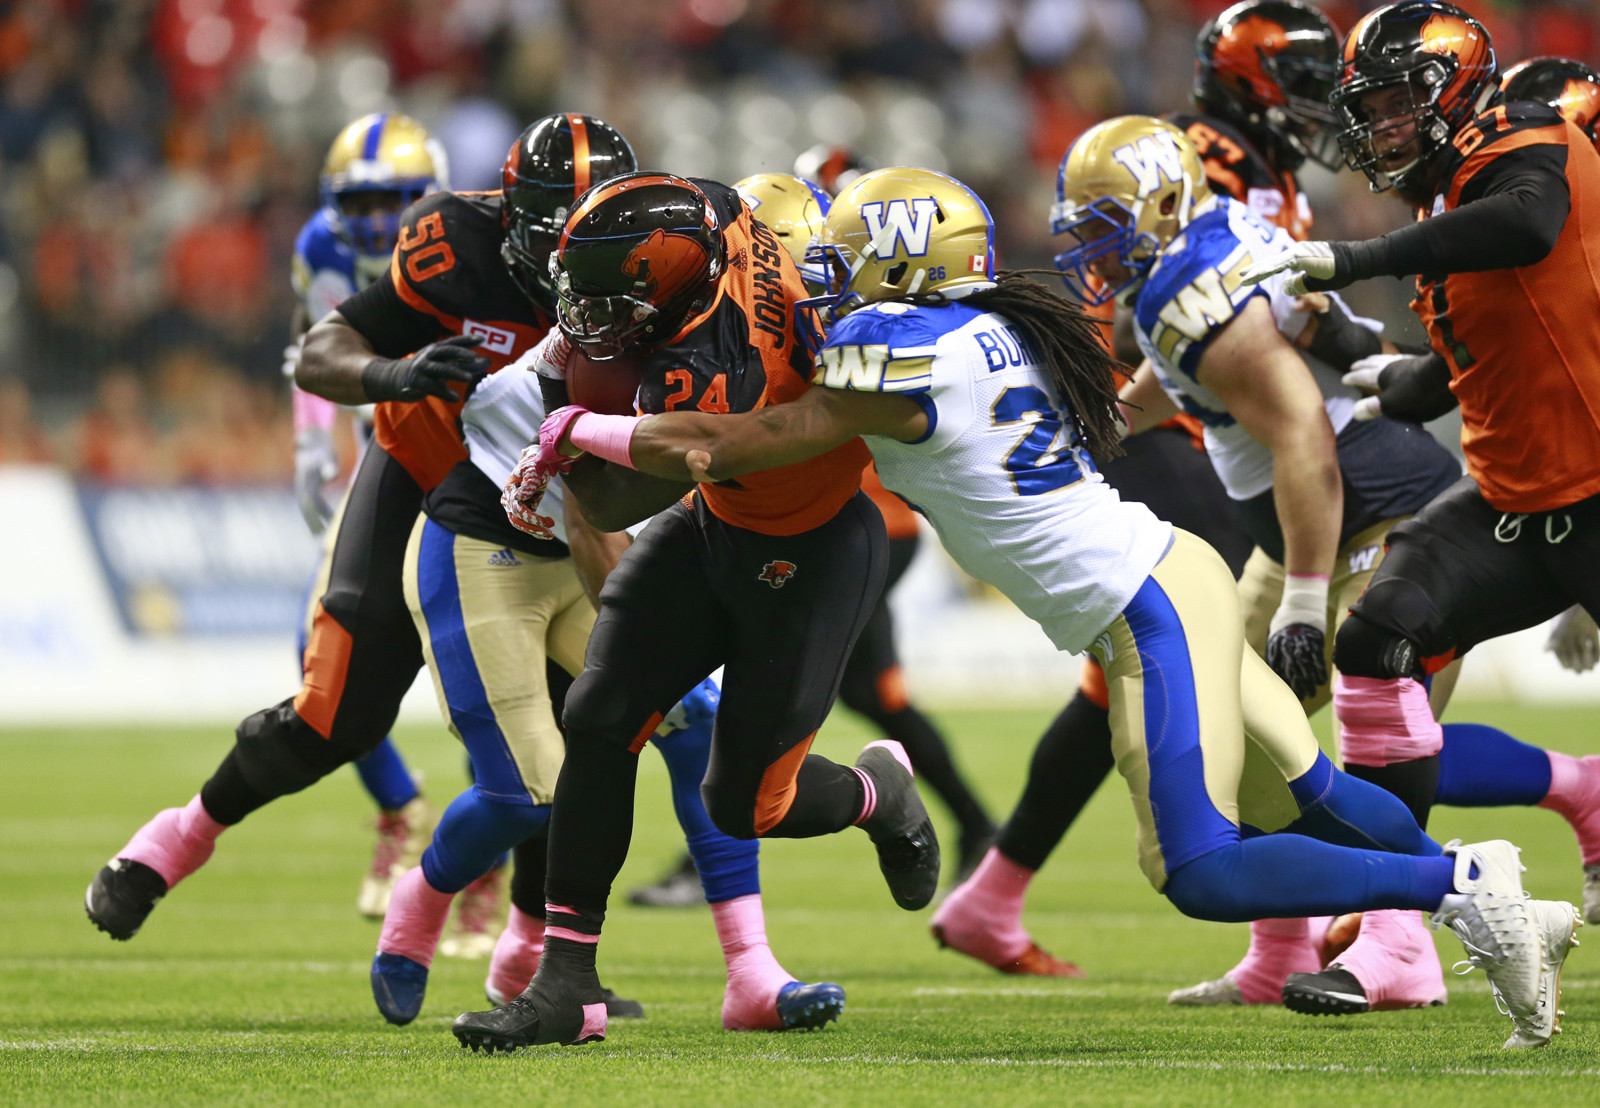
x=551, y=432
x=524, y=489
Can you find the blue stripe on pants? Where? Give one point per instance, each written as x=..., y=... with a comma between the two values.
x=1188, y=825
x=439, y=592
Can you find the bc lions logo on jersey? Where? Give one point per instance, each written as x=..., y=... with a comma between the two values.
x=1150, y=158
x=900, y=222
x=776, y=573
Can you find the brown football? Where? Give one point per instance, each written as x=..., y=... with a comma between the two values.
x=608, y=387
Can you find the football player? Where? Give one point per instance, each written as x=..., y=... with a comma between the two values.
x=984, y=402
x=492, y=605
x=1263, y=72
x=376, y=168
x=771, y=577
x=1507, y=195
x=794, y=210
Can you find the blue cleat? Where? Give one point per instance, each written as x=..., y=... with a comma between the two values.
x=804, y=1007
x=398, y=987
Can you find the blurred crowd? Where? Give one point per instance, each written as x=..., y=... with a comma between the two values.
x=157, y=157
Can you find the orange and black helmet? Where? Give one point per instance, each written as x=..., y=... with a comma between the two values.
x=1570, y=87
x=1444, y=60
x=550, y=165
x=637, y=256
x=1268, y=67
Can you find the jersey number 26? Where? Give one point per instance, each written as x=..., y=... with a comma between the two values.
x=1036, y=465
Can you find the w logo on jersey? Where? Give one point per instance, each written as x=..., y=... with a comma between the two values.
x=1150, y=158
x=894, y=222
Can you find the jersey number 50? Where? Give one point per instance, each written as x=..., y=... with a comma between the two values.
x=1035, y=465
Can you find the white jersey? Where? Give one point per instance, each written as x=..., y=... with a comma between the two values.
x=1192, y=291
x=1001, y=474
x=501, y=417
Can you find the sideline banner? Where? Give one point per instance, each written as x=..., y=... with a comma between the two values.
x=202, y=561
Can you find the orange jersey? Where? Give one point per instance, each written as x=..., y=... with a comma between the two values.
x=1523, y=345
x=899, y=519
x=742, y=353
x=1236, y=168
x=445, y=278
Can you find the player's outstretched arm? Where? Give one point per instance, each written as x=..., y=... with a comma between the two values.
x=614, y=497
x=718, y=447
x=331, y=361
x=1142, y=401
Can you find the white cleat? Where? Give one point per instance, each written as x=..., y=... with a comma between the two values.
x=1558, y=925
x=1207, y=994
x=1496, y=922
x=1591, y=893
x=402, y=836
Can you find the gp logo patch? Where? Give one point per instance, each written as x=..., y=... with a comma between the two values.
x=496, y=340
x=776, y=574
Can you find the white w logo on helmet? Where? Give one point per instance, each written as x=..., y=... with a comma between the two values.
x=1150, y=158
x=900, y=221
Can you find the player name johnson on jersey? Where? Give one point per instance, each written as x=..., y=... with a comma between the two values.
x=1193, y=290
x=1001, y=473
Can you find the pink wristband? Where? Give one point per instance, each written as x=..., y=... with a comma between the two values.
x=311, y=411
x=605, y=436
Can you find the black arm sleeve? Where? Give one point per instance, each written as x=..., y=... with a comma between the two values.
x=393, y=327
x=1416, y=389
x=1510, y=215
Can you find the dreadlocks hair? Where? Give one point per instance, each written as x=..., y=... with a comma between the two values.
x=1066, y=341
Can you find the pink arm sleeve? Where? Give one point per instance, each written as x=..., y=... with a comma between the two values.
x=311, y=411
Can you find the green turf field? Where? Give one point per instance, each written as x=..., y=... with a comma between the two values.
x=249, y=984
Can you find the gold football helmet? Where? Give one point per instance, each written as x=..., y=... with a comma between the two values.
x=898, y=232
x=791, y=207
x=1126, y=188
x=376, y=167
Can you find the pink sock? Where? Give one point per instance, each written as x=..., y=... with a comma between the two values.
x=516, y=955
x=176, y=842
x=415, y=919
x=1394, y=959
x=1384, y=721
x=982, y=917
x=1278, y=947
x=1575, y=794
x=750, y=1002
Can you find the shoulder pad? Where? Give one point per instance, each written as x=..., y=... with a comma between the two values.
x=1195, y=287
x=887, y=347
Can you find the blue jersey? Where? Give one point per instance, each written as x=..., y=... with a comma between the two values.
x=1001, y=473
x=1192, y=292
x=325, y=270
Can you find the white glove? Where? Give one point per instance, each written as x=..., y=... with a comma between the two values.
x=316, y=462
x=1575, y=640
x=291, y=357
x=549, y=357
x=1364, y=375
x=1306, y=259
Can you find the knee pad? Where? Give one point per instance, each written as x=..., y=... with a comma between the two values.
x=278, y=753
x=733, y=815
x=1363, y=649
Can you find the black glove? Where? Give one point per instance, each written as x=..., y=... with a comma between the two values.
x=428, y=372
x=1341, y=341
x=1295, y=654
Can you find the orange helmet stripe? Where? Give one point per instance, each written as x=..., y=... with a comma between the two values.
x=611, y=190
x=580, y=153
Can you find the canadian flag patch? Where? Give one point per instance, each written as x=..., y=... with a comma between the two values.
x=978, y=263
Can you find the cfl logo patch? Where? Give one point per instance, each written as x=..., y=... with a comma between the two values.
x=496, y=340
x=776, y=573
x=897, y=223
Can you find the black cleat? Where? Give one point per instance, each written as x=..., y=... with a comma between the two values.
x=679, y=889
x=1330, y=992
x=121, y=896
x=620, y=1007
x=809, y=1007
x=908, y=849
x=549, y=1011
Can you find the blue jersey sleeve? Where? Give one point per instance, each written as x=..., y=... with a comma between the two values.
x=1195, y=290
x=322, y=265
x=886, y=347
